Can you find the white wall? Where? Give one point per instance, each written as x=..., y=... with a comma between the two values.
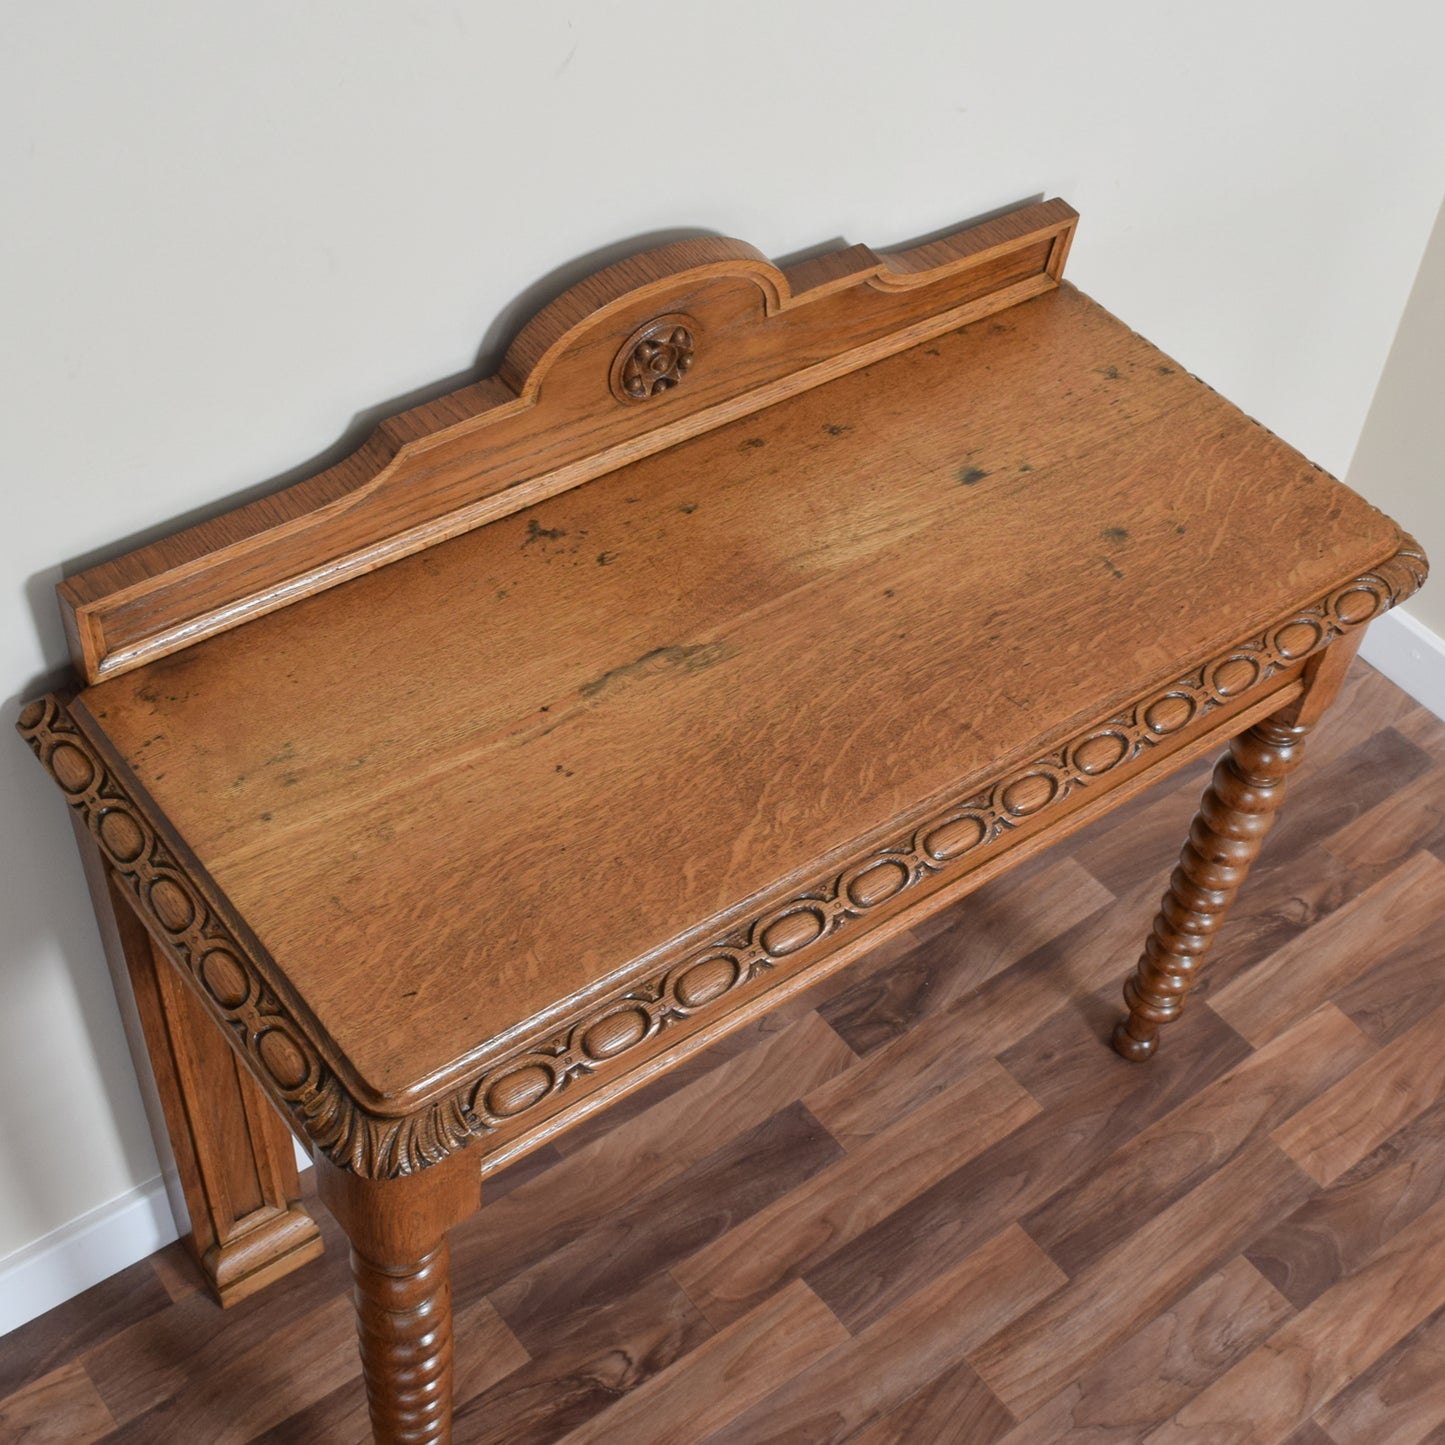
x=231, y=229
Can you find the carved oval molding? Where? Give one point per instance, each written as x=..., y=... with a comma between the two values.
x=654, y=359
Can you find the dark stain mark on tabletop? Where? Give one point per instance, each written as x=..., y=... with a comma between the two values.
x=971, y=476
x=1115, y=534
x=604, y=559
x=1113, y=570
x=752, y=444
x=687, y=508
x=1109, y=373
x=536, y=532
x=692, y=658
x=835, y=430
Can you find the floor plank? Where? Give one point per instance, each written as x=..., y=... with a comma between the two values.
x=1334, y=1231
x=1381, y=1096
x=1168, y=1361
x=1035, y=1357
x=1171, y=1156
x=1105, y=1105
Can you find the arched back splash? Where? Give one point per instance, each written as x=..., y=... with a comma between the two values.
x=638, y=357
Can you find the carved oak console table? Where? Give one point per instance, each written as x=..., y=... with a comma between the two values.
x=744, y=616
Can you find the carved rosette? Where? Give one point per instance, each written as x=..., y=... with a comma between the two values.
x=654, y=359
x=707, y=981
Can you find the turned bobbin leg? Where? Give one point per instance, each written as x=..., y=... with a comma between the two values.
x=399, y=1264
x=1234, y=815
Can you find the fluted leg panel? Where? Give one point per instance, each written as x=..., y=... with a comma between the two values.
x=1234, y=815
x=404, y=1317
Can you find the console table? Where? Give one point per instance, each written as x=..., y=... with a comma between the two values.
x=744, y=616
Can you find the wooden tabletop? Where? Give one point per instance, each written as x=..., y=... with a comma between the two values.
x=455, y=797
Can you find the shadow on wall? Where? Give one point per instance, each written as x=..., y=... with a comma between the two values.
x=39, y=861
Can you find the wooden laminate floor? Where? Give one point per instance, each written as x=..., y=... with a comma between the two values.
x=926, y=1203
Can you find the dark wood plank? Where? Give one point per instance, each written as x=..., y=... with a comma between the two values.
x=795, y=1232
x=643, y=1154
x=777, y=1341
x=1332, y=1233
x=1270, y=997
x=80, y=1324
x=1402, y=988
x=583, y=1367
x=1347, y=1121
x=954, y=1408
x=617, y=1251
x=1031, y=1360
x=59, y=1408
x=902, y=1075
x=1006, y=921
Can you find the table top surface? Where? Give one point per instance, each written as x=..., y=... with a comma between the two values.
x=456, y=793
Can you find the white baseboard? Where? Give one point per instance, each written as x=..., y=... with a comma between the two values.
x=61, y=1264
x=1410, y=655
x=108, y=1239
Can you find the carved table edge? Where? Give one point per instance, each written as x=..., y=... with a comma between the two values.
x=241, y=986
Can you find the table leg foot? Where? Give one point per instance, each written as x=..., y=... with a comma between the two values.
x=1234, y=815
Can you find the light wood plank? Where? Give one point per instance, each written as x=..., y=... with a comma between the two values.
x=1297, y=978
x=61, y=1408
x=1400, y=1400
x=1346, y=1122
x=1167, y=1361
x=1178, y=1151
